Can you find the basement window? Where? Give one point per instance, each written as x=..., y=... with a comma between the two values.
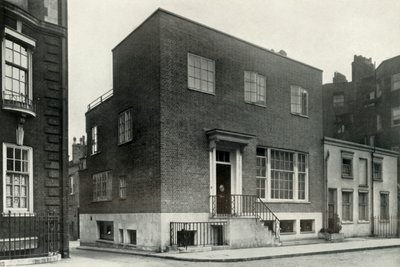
x=287, y=226
x=306, y=226
x=106, y=230
x=132, y=237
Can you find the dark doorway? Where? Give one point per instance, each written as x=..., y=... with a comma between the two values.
x=223, y=189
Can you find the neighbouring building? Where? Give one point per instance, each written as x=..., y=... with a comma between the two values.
x=361, y=188
x=74, y=165
x=33, y=135
x=202, y=133
x=367, y=109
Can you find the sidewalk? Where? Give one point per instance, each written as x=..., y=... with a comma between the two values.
x=233, y=255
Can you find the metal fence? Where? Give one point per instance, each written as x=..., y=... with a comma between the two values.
x=24, y=235
x=386, y=226
x=185, y=234
x=100, y=99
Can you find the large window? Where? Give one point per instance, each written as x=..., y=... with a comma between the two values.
x=17, y=73
x=347, y=206
x=396, y=81
x=363, y=206
x=17, y=181
x=384, y=206
x=201, y=74
x=299, y=100
x=283, y=173
x=125, y=126
x=106, y=230
x=396, y=116
x=254, y=88
x=102, y=186
x=338, y=100
x=94, y=140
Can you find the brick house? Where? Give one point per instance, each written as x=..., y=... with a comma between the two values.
x=361, y=188
x=33, y=119
x=202, y=133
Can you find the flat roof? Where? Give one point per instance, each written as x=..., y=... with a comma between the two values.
x=215, y=30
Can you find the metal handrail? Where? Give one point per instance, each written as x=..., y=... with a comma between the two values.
x=100, y=99
x=245, y=205
x=18, y=101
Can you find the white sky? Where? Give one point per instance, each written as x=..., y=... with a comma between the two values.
x=323, y=33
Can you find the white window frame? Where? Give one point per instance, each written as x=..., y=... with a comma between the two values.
x=295, y=188
x=122, y=187
x=395, y=82
x=102, y=186
x=29, y=205
x=201, y=75
x=95, y=139
x=255, y=87
x=125, y=127
x=259, y=175
x=27, y=43
x=395, y=119
x=296, y=103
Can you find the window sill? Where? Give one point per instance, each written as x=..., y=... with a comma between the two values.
x=347, y=177
x=197, y=90
x=18, y=213
x=363, y=185
x=105, y=241
x=122, y=198
x=105, y=200
x=95, y=153
x=255, y=104
x=125, y=143
x=308, y=232
x=300, y=115
x=287, y=233
x=347, y=222
x=384, y=221
x=378, y=180
x=362, y=222
x=284, y=201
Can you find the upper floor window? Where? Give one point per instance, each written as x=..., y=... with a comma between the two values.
x=299, y=100
x=125, y=126
x=347, y=164
x=285, y=173
x=254, y=88
x=122, y=187
x=201, y=74
x=396, y=81
x=17, y=87
x=102, y=186
x=378, y=122
x=94, y=140
x=377, y=169
x=338, y=100
x=17, y=180
x=396, y=116
x=71, y=185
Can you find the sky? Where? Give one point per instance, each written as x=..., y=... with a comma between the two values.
x=322, y=33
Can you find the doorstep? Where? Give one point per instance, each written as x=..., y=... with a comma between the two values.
x=28, y=261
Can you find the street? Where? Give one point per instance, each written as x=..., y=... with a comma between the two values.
x=379, y=257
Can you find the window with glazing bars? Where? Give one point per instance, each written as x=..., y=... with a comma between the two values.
x=254, y=88
x=102, y=186
x=261, y=172
x=201, y=74
x=17, y=178
x=94, y=140
x=282, y=172
x=122, y=187
x=299, y=100
x=302, y=173
x=125, y=126
x=384, y=206
x=363, y=206
x=347, y=206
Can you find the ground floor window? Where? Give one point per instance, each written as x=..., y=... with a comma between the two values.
x=347, y=206
x=384, y=206
x=17, y=163
x=306, y=226
x=106, y=230
x=287, y=226
x=132, y=237
x=363, y=206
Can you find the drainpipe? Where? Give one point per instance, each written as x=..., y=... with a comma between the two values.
x=325, y=213
x=372, y=192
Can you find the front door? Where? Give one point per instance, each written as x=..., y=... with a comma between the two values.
x=223, y=189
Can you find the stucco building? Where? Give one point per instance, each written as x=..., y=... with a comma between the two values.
x=33, y=119
x=361, y=188
x=202, y=132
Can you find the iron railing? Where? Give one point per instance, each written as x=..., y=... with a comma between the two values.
x=19, y=101
x=100, y=99
x=24, y=235
x=245, y=205
x=385, y=226
x=185, y=234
